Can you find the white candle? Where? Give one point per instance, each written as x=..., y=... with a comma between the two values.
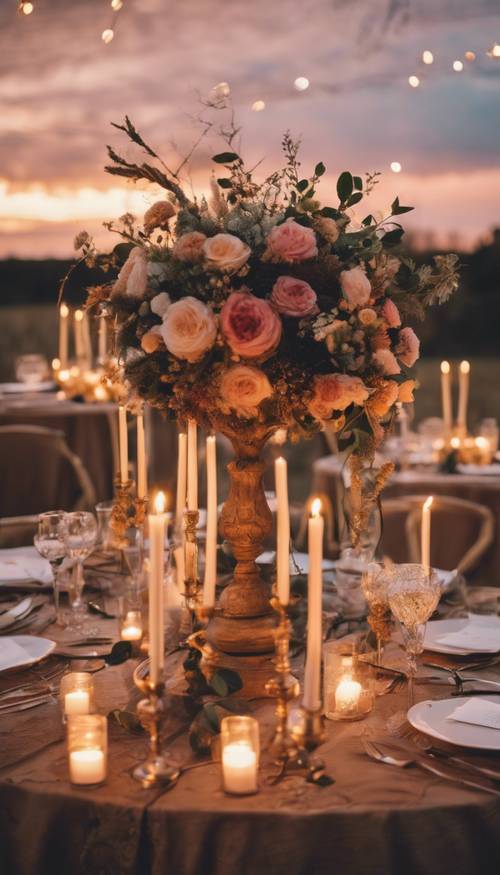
x=157, y=522
x=87, y=343
x=77, y=702
x=463, y=395
x=239, y=768
x=192, y=466
x=312, y=698
x=123, y=442
x=211, y=543
x=347, y=694
x=87, y=766
x=79, y=342
x=102, y=338
x=63, y=335
x=181, y=480
x=446, y=396
x=426, y=534
x=283, y=532
x=142, y=482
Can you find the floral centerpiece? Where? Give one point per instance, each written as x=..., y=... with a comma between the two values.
x=258, y=308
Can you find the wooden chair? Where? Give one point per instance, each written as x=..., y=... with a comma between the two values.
x=462, y=531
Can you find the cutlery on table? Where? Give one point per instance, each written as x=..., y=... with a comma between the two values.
x=86, y=642
x=16, y=613
x=438, y=753
x=27, y=703
x=425, y=763
x=94, y=608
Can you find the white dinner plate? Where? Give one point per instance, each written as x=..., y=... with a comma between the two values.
x=430, y=718
x=27, y=388
x=438, y=628
x=19, y=650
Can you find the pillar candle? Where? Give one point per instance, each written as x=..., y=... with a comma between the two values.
x=463, y=395
x=87, y=766
x=192, y=467
x=211, y=543
x=283, y=531
x=63, y=336
x=312, y=677
x=102, y=338
x=142, y=482
x=239, y=768
x=78, y=329
x=123, y=442
x=181, y=479
x=446, y=396
x=426, y=534
x=77, y=702
x=157, y=522
x=87, y=343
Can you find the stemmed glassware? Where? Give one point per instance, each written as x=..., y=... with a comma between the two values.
x=80, y=534
x=50, y=543
x=374, y=586
x=414, y=593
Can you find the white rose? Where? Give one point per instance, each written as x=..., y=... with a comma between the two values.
x=160, y=304
x=189, y=329
x=225, y=252
x=355, y=287
x=242, y=389
x=137, y=282
x=120, y=286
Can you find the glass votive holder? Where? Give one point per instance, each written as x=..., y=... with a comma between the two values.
x=76, y=693
x=240, y=750
x=131, y=626
x=87, y=749
x=348, y=687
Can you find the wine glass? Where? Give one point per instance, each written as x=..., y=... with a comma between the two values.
x=133, y=553
x=414, y=593
x=31, y=369
x=49, y=541
x=80, y=534
x=374, y=586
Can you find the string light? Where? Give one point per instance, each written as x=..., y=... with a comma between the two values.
x=427, y=57
x=470, y=56
x=25, y=7
x=458, y=66
x=116, y=5
x=414, y=81
x=107, y=35
x=496, y=51
x=221, y=91
x=396, y=167
x=301, y=83
x=258, y=106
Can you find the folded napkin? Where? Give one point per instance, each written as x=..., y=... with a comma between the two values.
x=22, y=564
x=479, y=712
x=11, y=653
x=479, y=633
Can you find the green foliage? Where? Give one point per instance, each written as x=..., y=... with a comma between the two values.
x=226, y=158
x=345, y=186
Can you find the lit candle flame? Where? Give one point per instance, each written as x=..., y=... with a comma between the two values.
x=464, y=367
x=56, y=364
x=455, y=442
x=159, y=502
x=428, y=502
x=78, y=315
x=316, y=507
x=64, y=310
x=445, y=367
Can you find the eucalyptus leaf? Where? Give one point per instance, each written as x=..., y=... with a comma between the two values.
x=120, y=652
x=358, y=183
x=355, y=198
x=224, y=182
x=302, y=185
x=320, y=169
x=225, y=158
x=345, y=185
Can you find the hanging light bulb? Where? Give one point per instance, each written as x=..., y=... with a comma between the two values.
x=26, y=7
x=427, y=57
x=221, y=90
x=258, y=106
x=301, y=83
x=116, y=5
x=414, y=81
x=458, y=66
x=496, y=50
x=107, y=35
x=396, y=167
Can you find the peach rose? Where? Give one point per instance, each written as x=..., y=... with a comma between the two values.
x=355, y=287
x=291, y=242
x=158, y=216
x=250, y=325
x=406, y=391
x=336, y=392
x=367, y=316
x=386, y=362
x=189, y=247
x=385, y=395
x=328, y=229
x=160, y=304
x=189, y=329
x=120, y=285
x=137, y=282
x=293, y=297
x=152, y=339
x=408, y=349
x=242, y=389
x=391, y=314
x=225, y=252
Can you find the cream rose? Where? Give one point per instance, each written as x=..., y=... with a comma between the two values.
x=160, y=304
x=328, y=229
x=120, y=285
x=152, y=339
x=355, y=287
x=251, y=327
x=225, y=252
x=336, y=392
x=386, y=361
x=189, y=247
x=408, y=350
x=242, y=389
x=291, y=242
x=189, y=329
x=294, y=297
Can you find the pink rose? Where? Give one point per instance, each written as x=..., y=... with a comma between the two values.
x=336, y=392
x=120, y=285
x=293, y=297
x=225, y=252
x=242, y=389
x=158, y=216
x=367, y=316
x=408, y=349
x=406, y=391
x=391, y=314
x=152, y=339
x=189, y=247
x=250, y=325
x=291, y=242
x=189, y=329
x=355, y=287
x=386, y=362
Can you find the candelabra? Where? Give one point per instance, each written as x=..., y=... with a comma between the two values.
x=128, y=511
x=156, y=768
x=192, y=585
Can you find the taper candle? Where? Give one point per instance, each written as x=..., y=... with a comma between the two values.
x=426, y=534
x=283, y=531
x=123, y=442
x=211, y=543
x=192, y=466
x=312, y=677
x=87, y=343
x=446, y=396
x=102, y=340
x=63, y=336
x=463, y=395
x=157, y=522
x=79, y=343
x=142, y=480
x=181, y=479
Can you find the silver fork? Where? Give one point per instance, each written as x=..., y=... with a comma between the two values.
x=376, y=754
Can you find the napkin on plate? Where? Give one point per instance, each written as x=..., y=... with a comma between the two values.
x=480, y=633
x=23, y=564
x=11, y=654
x=479, y=712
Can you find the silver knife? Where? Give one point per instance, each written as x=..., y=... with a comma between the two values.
x=434, y=770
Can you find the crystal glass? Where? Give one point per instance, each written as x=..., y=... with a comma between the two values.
x=105, y=539
x=76, y=694
x=80, y=535
x=31, y=369
x=133, y=553
x=488, y=428
x=50, y=543
x=413, y=597
x=87, y=749
x=240, y=749
x=374, y=586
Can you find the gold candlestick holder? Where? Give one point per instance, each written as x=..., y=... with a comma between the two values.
x=283, y=687
x=123, y=512
x=156, y=768
x=309, y=731
x=192, y=585
x=141, y=507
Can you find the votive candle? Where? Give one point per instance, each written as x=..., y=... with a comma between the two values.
x=87, y=749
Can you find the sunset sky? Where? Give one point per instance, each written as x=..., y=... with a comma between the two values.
x=60, y=86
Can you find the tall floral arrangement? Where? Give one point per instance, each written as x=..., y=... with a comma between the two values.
x=261, y=306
